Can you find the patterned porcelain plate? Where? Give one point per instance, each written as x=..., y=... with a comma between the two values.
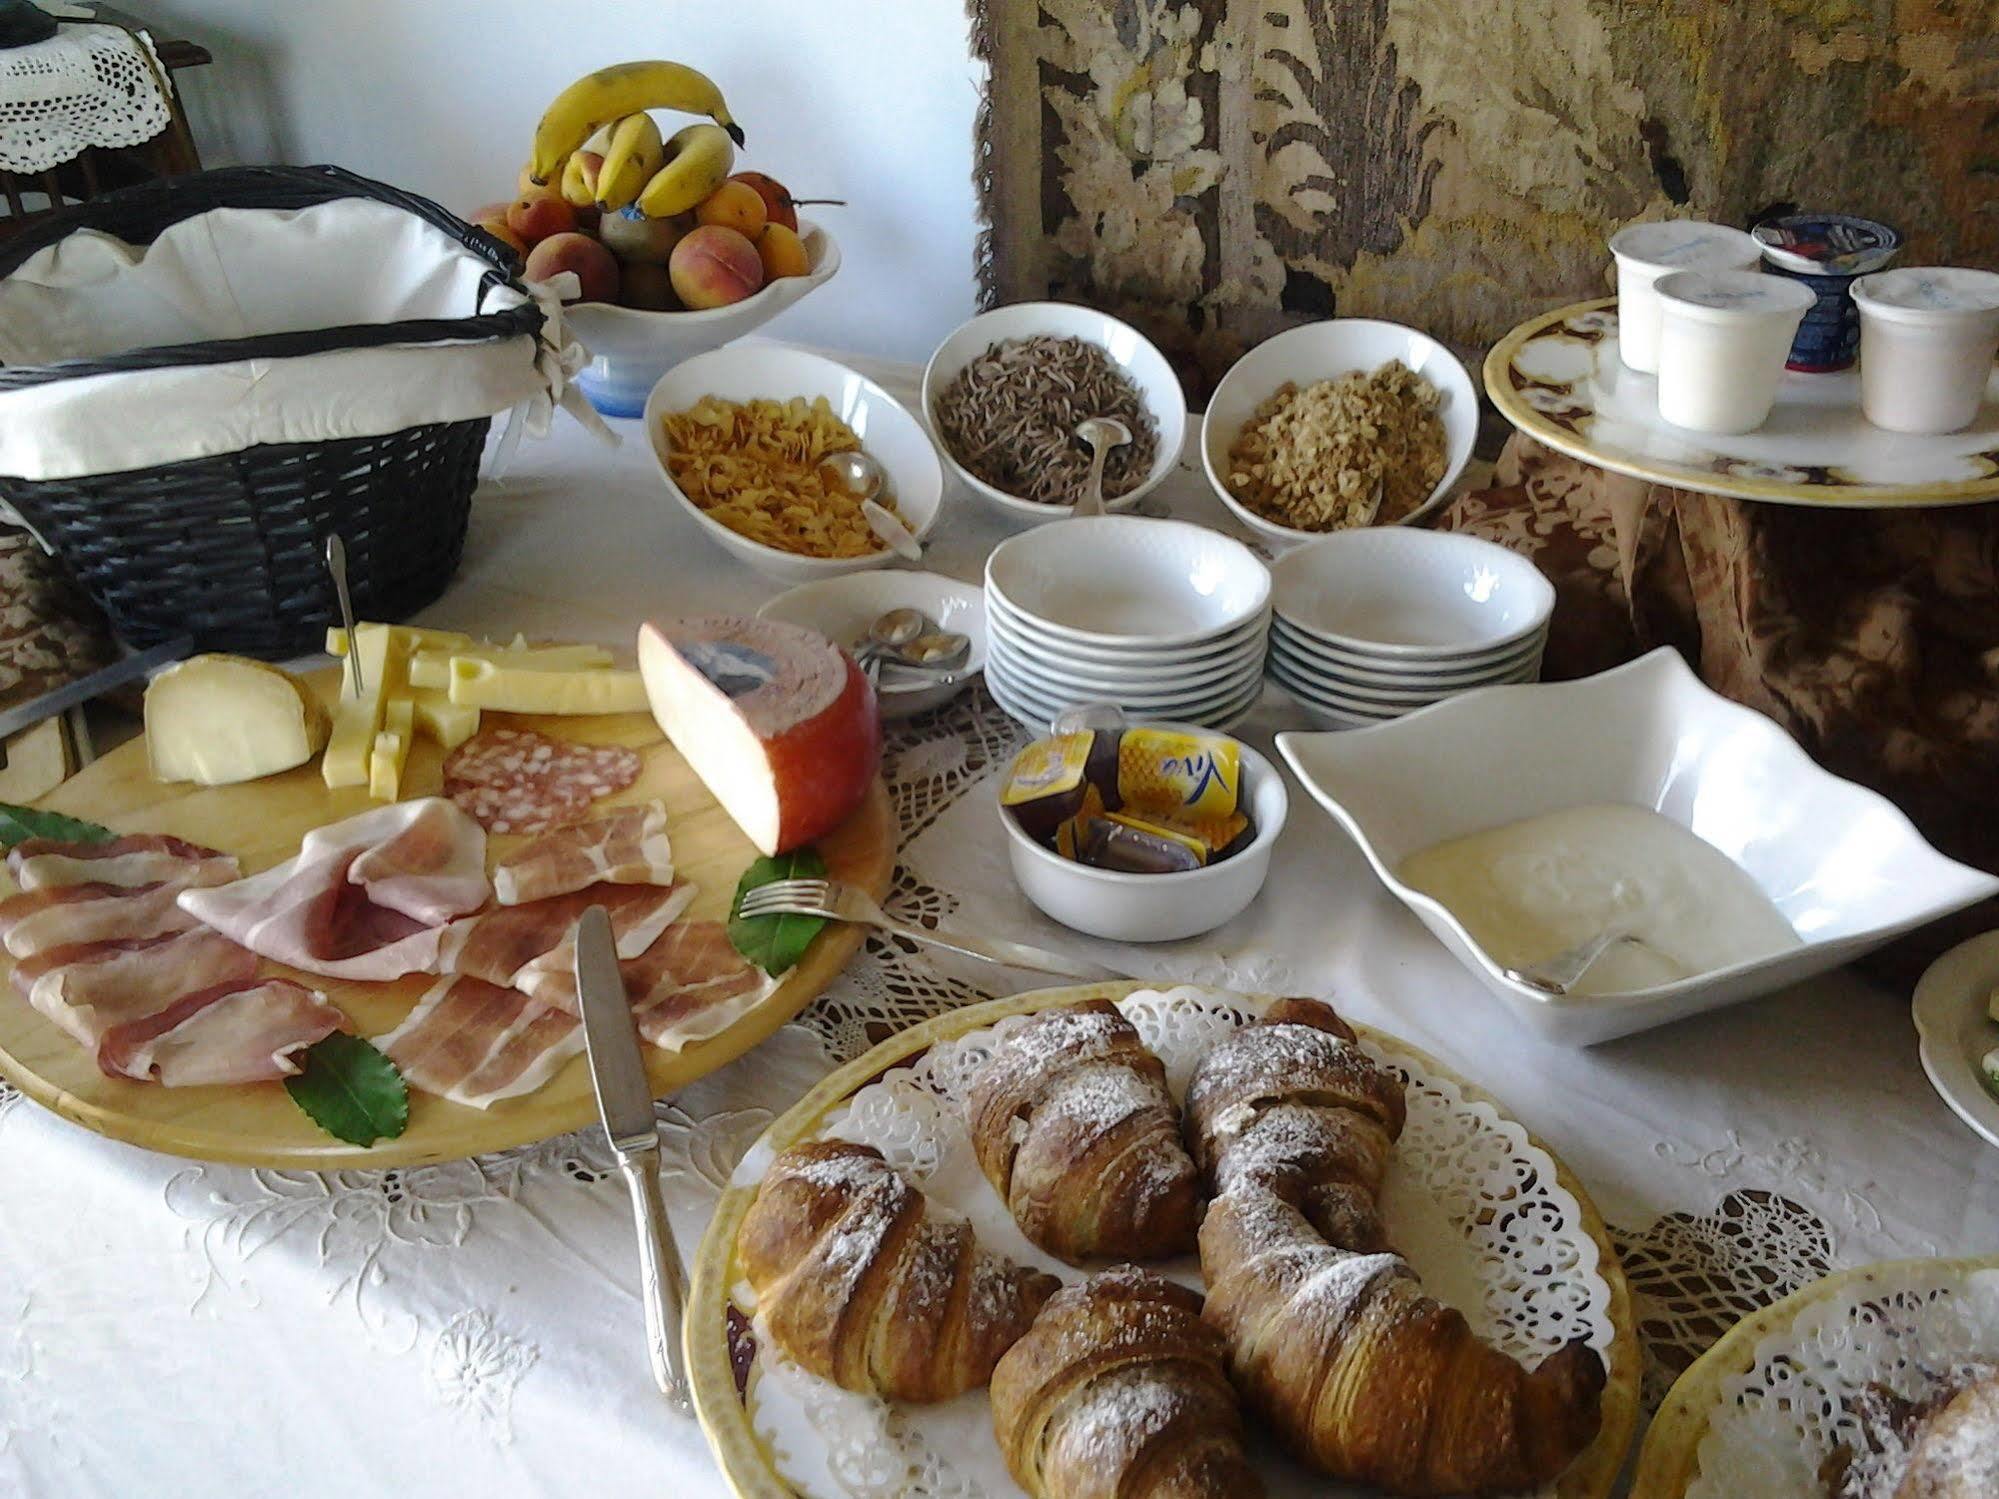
x=1559, y=380
x=1759, y=1411
x=1951, y=1014
x=1496, y=1226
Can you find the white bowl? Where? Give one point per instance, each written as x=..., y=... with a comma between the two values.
x=1342, y=692
x=1037, y=710
x=887, y=430
x=1406, y=594
x=1845, y=867
x=1131, y=351
x=1177, y=676
x=631, y=348
x=1185, y=699
x=1955, y=1032
x=1156, y=907
x=842, y=609
x=1126, y=580
x=1009, y=624
x=1390, y=671
x=1324, y=351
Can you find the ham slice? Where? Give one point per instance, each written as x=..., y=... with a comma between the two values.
x=92, y=987
x=140, y=859
x=626, y=847
x=503, y=946
x=314, y=912
x=71, y=915
x=692, y=984
x=478, y=1043
x=246, y=1031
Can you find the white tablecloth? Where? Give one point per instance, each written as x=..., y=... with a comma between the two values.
x=171, y=1328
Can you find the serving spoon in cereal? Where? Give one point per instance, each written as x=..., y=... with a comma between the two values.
x=861, y=475
x=1101, y=433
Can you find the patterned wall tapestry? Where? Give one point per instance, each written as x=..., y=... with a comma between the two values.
x=1218, y=170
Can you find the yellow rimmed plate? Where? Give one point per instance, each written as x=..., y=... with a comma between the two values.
x=714, y=1332
x=1558, y=379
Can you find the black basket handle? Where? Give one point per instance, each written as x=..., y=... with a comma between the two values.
x=138, y=215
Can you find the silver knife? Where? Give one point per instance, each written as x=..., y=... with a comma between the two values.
x=624, y=1099
x=83, y=689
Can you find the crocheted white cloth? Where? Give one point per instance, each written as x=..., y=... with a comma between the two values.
x=88, y=85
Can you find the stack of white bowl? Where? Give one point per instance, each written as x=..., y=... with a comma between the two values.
x=1164, y=619
x=1377, y=623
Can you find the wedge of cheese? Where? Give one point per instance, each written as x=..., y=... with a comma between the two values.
x=438, y=718
x=432, y=668
x=516, y=689
x=216, y=720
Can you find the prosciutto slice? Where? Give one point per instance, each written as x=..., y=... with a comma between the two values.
x=315, y=912
x=627, y=846
x=245, y=1031
x=71, y=915
x=502, y=946
x=140, y=859
x=478, y=1043
x=692, y=984
x=91, y=987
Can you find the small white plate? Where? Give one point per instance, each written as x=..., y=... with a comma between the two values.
x=1322, y=351
x=1405, y=594
x=1128, y=580
x=843, y=608
x=1131, y=351
x=1392, y=671
x=1955, y=1031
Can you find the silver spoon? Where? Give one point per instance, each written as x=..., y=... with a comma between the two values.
x=859, y=474
x=891, y=630
x=931, y=660
x=336, y=563
x=1102, y=433
x=1561, y=973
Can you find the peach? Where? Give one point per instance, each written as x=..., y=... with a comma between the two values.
x=714, y=266
x=497, y=227
x=779, y=206
x=525, y=180
x=734, y=205
x=646, y=284
x=579, y=178
x=782, y=253
x=490, y=211
x=639, y=238
x=540, y=212
x=595, y=266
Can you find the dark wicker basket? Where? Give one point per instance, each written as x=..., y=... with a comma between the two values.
x=229, y=548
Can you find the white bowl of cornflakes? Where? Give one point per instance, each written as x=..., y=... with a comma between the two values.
x=738, y=435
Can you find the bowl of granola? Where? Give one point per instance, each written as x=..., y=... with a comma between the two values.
x=1335, y=425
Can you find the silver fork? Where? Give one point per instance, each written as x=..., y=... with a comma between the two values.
x=837, y=901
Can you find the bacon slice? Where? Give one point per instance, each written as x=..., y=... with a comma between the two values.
x=477, y=1043
x=91, y=987
x=627, y=846
x=71, y=915
x=245, y=1031
x=138, y=859
x=312, y=912
x=506, y=945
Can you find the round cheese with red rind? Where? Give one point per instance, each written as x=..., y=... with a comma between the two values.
x=778, y=722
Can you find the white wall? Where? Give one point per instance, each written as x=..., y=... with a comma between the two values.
x=867, y=100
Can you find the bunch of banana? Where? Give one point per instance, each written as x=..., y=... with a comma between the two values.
x=614, y=93
x=698, y=160
x=634, y=154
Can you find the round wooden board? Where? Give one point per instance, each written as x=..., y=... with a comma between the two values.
x=1669, y=1461
x=262, y=823
x=741, y=1454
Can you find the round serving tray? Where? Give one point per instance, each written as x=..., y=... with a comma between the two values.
x=262, y=823
x=721, y=1353
x=1669, y=1463
x=1558, y=379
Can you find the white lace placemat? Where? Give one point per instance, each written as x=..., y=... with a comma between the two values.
x=1900, y=1326
x=88, y=85
x=1472, y=1202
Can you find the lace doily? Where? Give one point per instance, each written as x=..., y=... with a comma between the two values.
x=1899, y=1325
x=85, y=86
x=1474, y=1204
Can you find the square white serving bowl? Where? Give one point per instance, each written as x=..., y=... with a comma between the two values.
x=887, y=430
x=1846, y=868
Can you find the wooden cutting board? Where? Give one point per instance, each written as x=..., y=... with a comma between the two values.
x=262, y=823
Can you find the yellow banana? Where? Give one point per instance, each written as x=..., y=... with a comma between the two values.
x=624, y=89
x=579, y=183
x=698, y=160
x=635, y=153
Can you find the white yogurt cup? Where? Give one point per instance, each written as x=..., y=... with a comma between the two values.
x=1644, y=253
x=1723, y=340
x=1927, y=338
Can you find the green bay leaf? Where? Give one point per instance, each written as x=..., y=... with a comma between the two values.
x=19, y=824
x=350, y=1090
x=776, y=943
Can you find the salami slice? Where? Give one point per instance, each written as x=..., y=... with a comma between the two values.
x=520, y=781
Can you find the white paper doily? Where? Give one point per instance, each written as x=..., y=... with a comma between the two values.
x=85, y=86
x=1897, y=1325
x=1474, y=1205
